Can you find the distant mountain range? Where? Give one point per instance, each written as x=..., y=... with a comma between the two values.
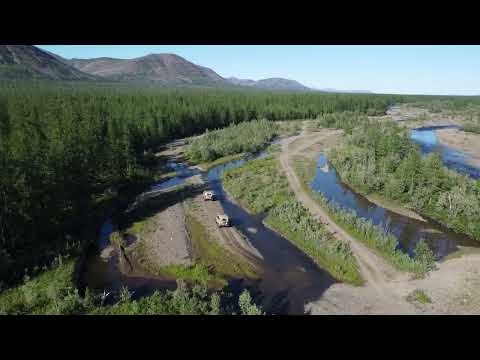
x=30, y=62
x=346, y=91
x=164, y=69
x=270, y=84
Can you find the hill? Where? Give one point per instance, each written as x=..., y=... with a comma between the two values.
x=30, y=62
x=270, y=84
x=165, y=69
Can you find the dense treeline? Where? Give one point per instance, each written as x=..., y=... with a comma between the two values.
x=346, y=120
x=237, y=138
x=457, y=104
x=379, y=157
x=62, y=148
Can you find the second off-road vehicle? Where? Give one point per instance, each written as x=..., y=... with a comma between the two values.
x=222, y=220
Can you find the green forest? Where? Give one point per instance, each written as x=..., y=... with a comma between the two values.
x=66, y=152
x=379, y=157
x=70, y=155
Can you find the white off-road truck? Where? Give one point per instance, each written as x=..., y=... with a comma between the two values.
x=208, y=195
x=222, y=220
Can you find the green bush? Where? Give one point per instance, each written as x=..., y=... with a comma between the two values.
x=379, y=157
x=297, y=224
x=419, y=296
x=257, y=185
x=425, y=255
x=246, y=137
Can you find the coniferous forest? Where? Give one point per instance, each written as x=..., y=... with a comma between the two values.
x=65, y=149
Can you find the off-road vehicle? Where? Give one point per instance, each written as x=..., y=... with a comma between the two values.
x=222, y=220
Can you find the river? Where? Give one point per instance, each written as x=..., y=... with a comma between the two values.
x=290, y=279
x=407, y=230
x=456, y=160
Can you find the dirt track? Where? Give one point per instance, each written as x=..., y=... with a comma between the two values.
x=386, y=289
x=228, y=237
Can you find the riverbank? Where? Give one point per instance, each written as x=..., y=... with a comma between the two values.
x=175, y=236
x=468, y=143
x=390, y=294
x=262, y=189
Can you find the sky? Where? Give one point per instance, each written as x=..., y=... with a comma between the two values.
x=399, y=69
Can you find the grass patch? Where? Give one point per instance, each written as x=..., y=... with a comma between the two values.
x=260, y=187
x=257, y=185
x=213, y=255
x=197, y=273
x=206, y=166
x=418, y=295
x=164, y=176
x=294, y=222
x=289, y=127
x=51, y=292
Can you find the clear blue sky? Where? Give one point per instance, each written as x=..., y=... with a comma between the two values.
x=381, y=69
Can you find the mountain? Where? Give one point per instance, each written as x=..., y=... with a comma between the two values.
x=241, y=82
x=270, y=84
x=164, y=69
x=27, y=62
x=346, y=91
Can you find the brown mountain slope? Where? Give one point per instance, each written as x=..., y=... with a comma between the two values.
x=27, y=62
x=166, y=69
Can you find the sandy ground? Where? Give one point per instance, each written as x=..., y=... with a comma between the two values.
x=453, y=288
x=166, y=242
x=413, y=117
x=468, y=143
x=229, y=237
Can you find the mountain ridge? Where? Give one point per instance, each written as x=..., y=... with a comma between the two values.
x=274, y=83
x=165, y=69
x=27, y=62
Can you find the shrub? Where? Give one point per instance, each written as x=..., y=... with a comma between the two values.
x=246, y=305
x=419, y=296
x=425, y=255
x=249, y=137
